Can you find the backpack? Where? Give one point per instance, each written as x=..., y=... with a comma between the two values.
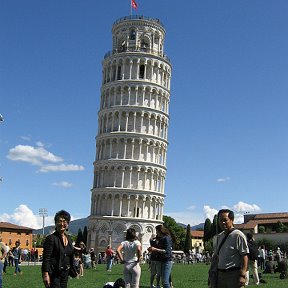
x=253, y=250
x=119, y=283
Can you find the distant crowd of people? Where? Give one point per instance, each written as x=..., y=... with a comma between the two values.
x=62, y=258
x=12, y=257
x=236, y=257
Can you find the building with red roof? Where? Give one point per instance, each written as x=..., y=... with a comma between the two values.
x=10, y=233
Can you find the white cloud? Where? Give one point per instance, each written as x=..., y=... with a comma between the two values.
x=239, y=210
x=63, y=184
x=190, y=216
x=32, y=155
x=225, y=179
x=209, y=212
x=39, y=156
x=242, y=208
x=24, y=216
x=245, y=207
x=61, y=168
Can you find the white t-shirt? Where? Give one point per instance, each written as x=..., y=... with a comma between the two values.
x=233, y=249
x=130, y=250
x=262, y=253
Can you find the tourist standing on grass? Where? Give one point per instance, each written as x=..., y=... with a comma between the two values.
x=129, y=253
x=232, y=250
x=16, y=251
x=82, y=251
x=164, y=251
x=10, y=258
x=3, y=253
x=58, y=253
x=252, y=260
x=7, y=249
x=262, y=257
x=109, y=254
x=93, y=258
x=155, y=264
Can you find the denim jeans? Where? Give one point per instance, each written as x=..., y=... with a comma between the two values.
x=1, y=270
x=109, y=263
x=17, y=268
x=166, y=268
x=155, y=270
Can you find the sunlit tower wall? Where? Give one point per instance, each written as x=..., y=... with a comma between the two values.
x=131, y=144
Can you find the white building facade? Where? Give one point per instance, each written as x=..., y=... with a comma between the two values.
x=131, y=144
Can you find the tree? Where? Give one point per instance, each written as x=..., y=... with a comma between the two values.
x=207, y=230
x=85, y=234
x=267, y=243
x=188, y=240
x=177, y=232
x=279, y=227
x=79, y=237
x=38, y=240
x=215, y=229
x=261, y=229
x=209, y=246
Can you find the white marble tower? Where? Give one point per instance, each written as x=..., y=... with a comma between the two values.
x=131, y=145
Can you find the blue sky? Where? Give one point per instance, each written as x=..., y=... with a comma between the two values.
x=228, y=137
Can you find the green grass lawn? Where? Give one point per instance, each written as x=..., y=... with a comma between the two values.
x=184, y=276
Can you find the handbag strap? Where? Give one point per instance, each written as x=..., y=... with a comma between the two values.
x=223, y=240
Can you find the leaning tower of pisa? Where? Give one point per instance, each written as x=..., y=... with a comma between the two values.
x=131, y=144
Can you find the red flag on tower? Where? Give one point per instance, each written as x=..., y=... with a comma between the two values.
x=134, y=4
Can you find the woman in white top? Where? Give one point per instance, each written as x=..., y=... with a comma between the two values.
x=129, y=253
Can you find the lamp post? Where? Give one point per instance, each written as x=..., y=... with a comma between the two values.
x=43, y=213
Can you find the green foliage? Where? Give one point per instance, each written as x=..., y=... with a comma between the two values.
x=209, y=246
x=79, y=237
x=177, y=232
x=285, y=228
x=261, y=229
x=210, y=230
x=269, y=244
x=188, y=240
x=279, y=227
x=272, y=245
x=73, y=238
x=38, y=240
x=215, y=229
x=85, y=234
x=268, y=229
x=207, y=230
